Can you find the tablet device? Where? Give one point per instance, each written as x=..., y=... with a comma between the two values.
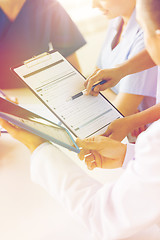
x=37, y=125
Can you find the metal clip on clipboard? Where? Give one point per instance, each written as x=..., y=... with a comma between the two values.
x=37, y=59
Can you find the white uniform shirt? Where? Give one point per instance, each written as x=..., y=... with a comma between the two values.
x=132, y=42
x=111, y=211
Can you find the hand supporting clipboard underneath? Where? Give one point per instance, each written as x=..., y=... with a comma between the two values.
x=37, y=125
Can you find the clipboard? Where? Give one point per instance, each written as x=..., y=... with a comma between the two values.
x=37, y=125
x=53, y=80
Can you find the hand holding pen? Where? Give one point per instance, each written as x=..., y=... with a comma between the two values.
x=111, y=76
x=90, y=84
x=85, y=90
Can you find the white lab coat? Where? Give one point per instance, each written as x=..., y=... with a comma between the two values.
x=132, y=42
x=113, y=211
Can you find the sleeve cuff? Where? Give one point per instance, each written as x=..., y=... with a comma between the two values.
x=39, y=148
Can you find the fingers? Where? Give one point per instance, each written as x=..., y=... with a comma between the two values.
x=94, y=160
x=90, y=76
x=90, y=162
x=9, y=127
x=88, y=143
x=143, y=128
x=111, y=134
x=15, y=100
x=95, y=77
x=90, y=84
x=107, y=133
x=93, y=93
x=137, y=131
x=96, y=90
x=5, y=124
x=114, y=134
x=83, y=153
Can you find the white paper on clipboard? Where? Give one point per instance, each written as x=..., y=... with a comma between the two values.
x=53, y=79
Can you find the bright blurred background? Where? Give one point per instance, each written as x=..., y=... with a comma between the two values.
x=92, y=25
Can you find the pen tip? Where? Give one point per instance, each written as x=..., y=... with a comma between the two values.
x=68, y=99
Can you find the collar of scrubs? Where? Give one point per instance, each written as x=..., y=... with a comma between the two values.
x=132, y=26
x=6, y=23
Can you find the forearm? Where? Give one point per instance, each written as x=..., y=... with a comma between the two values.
x=73, y=59
x=138, y=63
x=132, y=101
x=145, y=117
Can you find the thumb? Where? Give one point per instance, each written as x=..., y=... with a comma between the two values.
x=87, y=143
x=107, y=133
x=104, y=86
x=109, y=83
x=97, y=89
x=2, y=122
x=6, y=125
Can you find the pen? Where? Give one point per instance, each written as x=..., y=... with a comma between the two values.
x=3, y=131
x=83, y=92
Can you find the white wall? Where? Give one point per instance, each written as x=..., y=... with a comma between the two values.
x=92, y=25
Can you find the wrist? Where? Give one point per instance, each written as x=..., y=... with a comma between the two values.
x=131, y=122
x=124, y=69
x=32, y=146
x=123, y=154
x=136, y=120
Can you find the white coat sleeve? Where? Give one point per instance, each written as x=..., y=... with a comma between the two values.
x=113, y=210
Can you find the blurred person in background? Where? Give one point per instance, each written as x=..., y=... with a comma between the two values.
x=124, y=40
x=28, y=28
x=126, y=76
